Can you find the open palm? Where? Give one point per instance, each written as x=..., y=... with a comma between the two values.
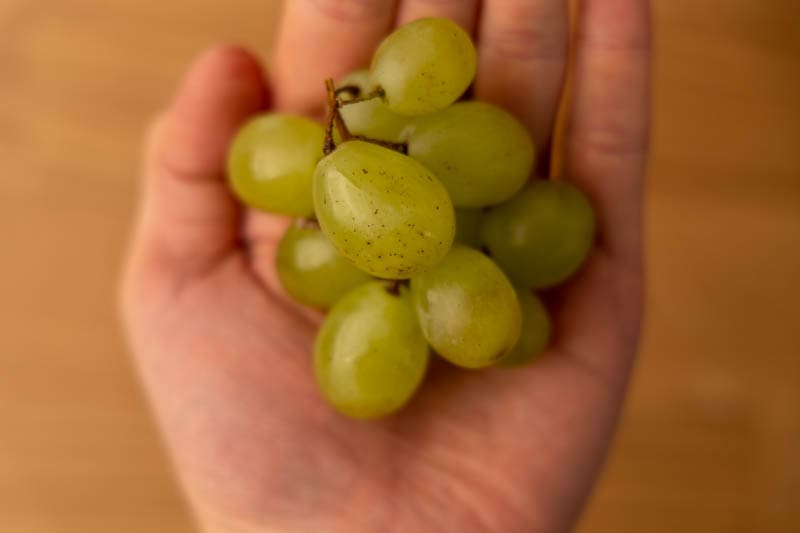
x=226, y=357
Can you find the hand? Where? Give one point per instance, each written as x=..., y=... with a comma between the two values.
x=227, y=359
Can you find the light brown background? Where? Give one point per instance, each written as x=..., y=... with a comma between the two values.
x=711, y=434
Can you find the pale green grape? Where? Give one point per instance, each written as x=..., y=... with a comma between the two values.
x=468, y=227
x=371, y=118
x=424, y=66
x=535, y=331
x=370, y=355
x=468, y=309
x=382, y=210
x=480, y=152
x=310, y=268
x=271, y=163
x=543, y=235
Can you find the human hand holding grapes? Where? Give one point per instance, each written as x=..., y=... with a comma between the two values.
x=226, y=358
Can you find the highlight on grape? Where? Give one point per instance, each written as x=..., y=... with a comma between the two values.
x=419, y=226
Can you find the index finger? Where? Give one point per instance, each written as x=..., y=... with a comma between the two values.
x=322, y=39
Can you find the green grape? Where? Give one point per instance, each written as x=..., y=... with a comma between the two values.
x=271, y=163
x=535, y=331
x=481, y=153
x=382, y=210
x=370, y=355
x=468, y=227
x=371, y=118
x=311, y=270
x=424, y=66
x=468, y=309
x=542, y=236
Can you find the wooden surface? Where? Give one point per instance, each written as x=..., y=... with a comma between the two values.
x=710, y=438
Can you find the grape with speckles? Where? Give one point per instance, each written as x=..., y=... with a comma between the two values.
x=386, y=213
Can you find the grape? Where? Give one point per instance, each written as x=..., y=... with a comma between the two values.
x=370, y=355
x=542, y=236
x=535, y=331
x=468, y=227
x=424, y=66
x=382, y=210
x=271, y=163
x=468, y=309
x=371, y=118
x=311, y=270
x=481, y=153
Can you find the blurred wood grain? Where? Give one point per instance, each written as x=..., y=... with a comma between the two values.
x=710, y=437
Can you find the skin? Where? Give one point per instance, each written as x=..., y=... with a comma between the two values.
x=226, y=358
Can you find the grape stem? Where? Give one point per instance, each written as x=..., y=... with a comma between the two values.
x=353, y=90
x=377, y=93
x=334, y=119
x=397, y=147
x=329, y=145
x=394, y=286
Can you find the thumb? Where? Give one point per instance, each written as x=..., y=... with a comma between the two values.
x=189, y=218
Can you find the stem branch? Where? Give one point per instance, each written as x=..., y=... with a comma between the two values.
x=334, y=119
x=377, y=93
x=353, y=90
x=394, y=286
x=329, y=145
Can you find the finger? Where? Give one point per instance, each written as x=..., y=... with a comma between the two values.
x=607, y=136
x=462, y=12
x=189, y=214
x=322, y=39
x=522, y=57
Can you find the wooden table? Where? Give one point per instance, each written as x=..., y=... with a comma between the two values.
x=710, y=438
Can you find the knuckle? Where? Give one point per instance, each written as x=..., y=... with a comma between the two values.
x=352, y=10
x=611, y=139
x=445, y=3
x=526, y=43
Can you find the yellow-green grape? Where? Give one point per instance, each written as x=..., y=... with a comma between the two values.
x=468, y=227
x=370, y=118
x=480, y=152
x=424, y=66
x=535, y=331
x=311, y=270
x=541, y=236
x=467, y=308
x=382, y=210
x=370, y=355
x=271, y=163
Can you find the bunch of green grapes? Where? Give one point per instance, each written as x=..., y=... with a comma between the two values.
x=418, y=227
